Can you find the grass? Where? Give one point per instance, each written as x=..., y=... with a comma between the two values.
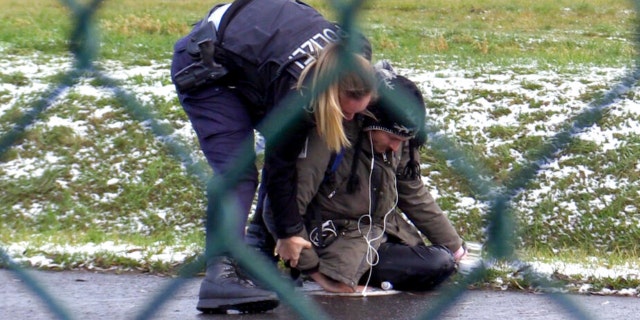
x=92, y=174
x=550, y=33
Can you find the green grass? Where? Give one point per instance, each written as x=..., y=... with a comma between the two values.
x=418, y=34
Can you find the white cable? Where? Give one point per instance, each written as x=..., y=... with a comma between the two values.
x=372, y=256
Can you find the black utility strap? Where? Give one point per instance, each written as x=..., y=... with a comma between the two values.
x=235, y=7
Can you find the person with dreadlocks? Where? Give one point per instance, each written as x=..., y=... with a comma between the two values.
x=357, y=203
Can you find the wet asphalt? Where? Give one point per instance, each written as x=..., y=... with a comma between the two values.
x=87, y=295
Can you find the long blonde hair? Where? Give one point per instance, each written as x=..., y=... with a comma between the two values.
x=355, y=80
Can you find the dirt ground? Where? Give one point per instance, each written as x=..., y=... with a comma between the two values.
x=86, y=295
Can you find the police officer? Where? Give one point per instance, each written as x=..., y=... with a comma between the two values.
x=235, y=68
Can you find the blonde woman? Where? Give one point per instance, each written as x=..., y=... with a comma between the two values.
x=245, y=63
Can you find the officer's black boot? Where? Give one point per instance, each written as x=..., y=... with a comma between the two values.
x=222, y=290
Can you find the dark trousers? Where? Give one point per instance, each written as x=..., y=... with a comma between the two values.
x=222, y=123
x=416, y=268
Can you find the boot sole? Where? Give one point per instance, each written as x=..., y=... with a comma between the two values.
x=247, y=305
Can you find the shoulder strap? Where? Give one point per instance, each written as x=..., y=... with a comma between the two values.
x=334, y=163
x=231, y=12
x=336, y=159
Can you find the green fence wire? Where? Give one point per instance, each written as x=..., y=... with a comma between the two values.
x=500, y=229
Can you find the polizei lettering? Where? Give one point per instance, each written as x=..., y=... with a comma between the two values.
x=311, y=46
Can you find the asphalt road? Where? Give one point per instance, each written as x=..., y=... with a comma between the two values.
x=86, y=295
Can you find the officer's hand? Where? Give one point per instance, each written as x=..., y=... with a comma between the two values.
x=289, y=249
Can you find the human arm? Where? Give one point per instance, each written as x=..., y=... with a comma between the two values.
x=282, y=192
x=285, y=128
x=311, y=167
x=300, y=161
x=419, y=206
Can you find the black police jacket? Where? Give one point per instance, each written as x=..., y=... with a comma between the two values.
x=266, y=44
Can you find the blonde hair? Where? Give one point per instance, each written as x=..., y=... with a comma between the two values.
x=355, y=81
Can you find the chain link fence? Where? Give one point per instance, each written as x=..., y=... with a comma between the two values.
x=500, y=229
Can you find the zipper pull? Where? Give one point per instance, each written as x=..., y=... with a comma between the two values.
x=333, y=193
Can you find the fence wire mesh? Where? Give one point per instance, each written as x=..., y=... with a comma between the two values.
x=500, y=229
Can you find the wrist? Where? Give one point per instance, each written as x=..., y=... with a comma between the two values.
x=459, y=253
x=290, y=231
